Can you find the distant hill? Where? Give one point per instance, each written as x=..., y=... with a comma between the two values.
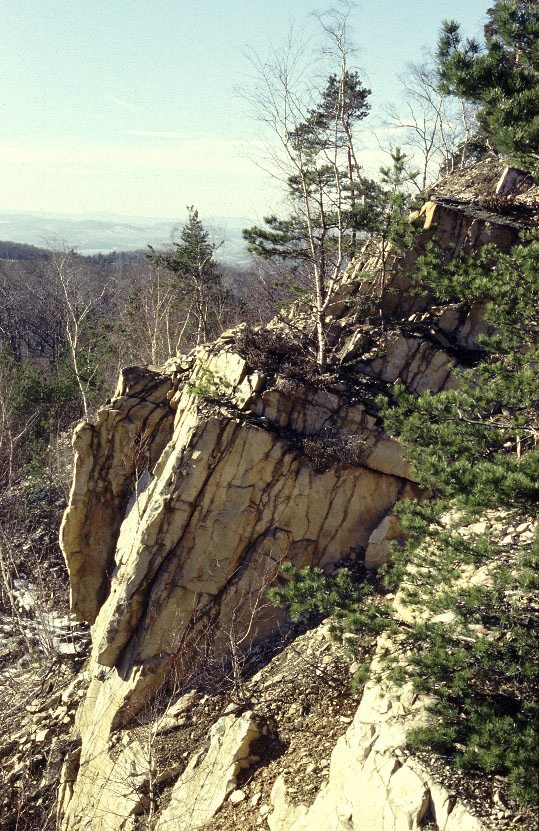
x=10, y=250
x=93, y=235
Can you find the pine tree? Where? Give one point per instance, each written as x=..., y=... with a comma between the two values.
x=476, y=449
x=502, y=77
x=384, y=213
x=323, y=186
x=196, y=275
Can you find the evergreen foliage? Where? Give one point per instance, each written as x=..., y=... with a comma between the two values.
x=384, y=213
x=210, y=387
x=502, y=77
x=196, y=277
x=324, y=185
x=380, y=209
x=385, y=207
x=478, y=444
x=316, y=131
x=473, y=647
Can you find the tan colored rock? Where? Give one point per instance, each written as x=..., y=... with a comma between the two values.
x=68, y=776
x=458, y=227
x=283, y=814
x=128, y=438
x=224, y=489
x=174, y=714
x=379, y=546
x=372, y=785
x=228, y=499
x=119, y=786
x=236, y=797
x=224, y=492
x=417, y=364
x=210, y=777
x=454, y=224
x=199, y=479
x=513, y=180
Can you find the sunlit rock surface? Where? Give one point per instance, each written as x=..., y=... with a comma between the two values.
x=197, y=481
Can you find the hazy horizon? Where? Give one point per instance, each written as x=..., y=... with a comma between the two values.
x=106, y=232
x=132, y=109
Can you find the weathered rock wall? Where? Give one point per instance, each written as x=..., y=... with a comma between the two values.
x=133, y=430
x=232, y=495
x=198, y=480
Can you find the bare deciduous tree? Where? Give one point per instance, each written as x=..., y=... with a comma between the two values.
x=153, y=324
x=80, y=300
x=435, y=128
x=312, y=151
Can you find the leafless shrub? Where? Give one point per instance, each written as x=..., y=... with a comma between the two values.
x=325, y=450
x=500, y=203
x=269, y=349
x=35, y=606
x=288, y=386
x=438, y=129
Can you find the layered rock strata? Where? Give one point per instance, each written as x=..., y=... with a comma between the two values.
x=200, y=478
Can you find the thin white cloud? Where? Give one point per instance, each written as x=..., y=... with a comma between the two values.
x=204, y=144
x=125, y=104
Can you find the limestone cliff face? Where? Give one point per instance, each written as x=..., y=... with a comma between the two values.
x=134, y=429
x=200, y=478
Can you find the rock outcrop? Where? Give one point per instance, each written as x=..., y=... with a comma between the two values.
x=210, y=776
x=196, y=482
x=373, y=782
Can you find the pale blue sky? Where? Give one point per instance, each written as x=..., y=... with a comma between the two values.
x=128, y=106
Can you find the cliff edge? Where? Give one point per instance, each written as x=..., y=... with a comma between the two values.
x=196, y=482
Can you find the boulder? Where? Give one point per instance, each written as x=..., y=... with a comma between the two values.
x=210, y=777
x=379, y=546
